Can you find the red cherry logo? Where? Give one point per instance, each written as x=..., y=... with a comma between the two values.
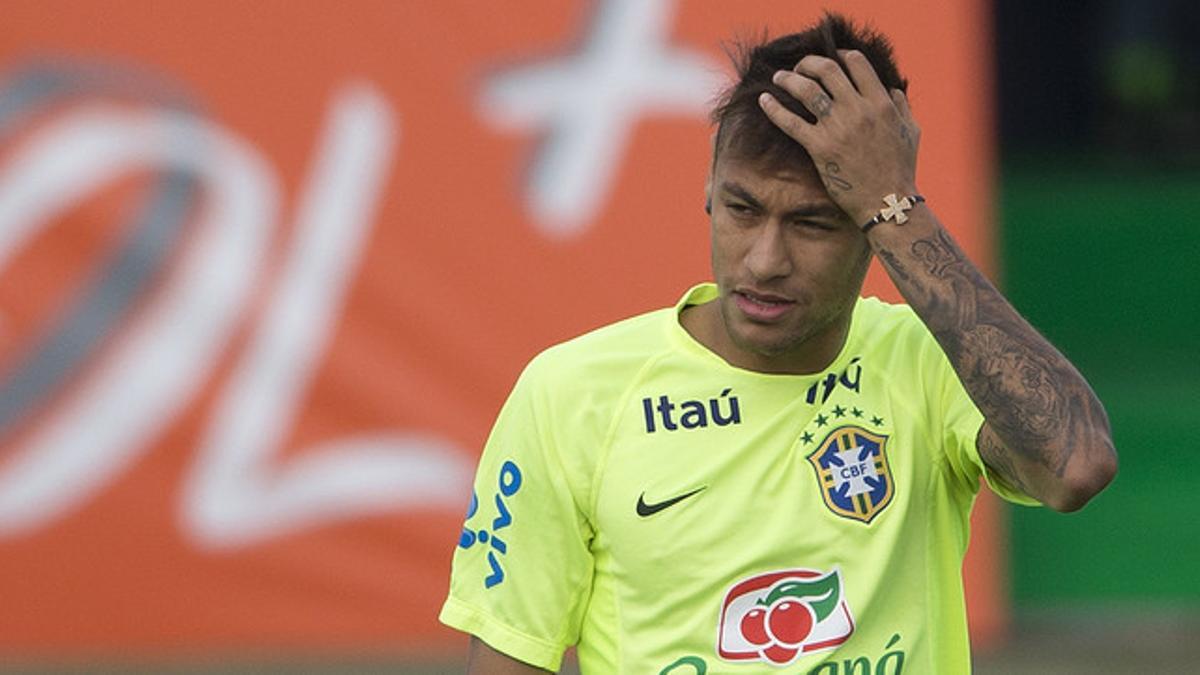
x=779, y=654
x=754, y=627
x=789, y=621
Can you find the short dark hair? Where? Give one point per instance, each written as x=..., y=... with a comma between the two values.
x=741, y=123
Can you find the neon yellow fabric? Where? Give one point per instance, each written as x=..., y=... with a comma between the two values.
x=670, y=513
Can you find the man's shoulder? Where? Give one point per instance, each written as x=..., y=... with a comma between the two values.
x=874, y=316
x=894, y=337
x=893, y=329
x=578, y=385
x=610, y=350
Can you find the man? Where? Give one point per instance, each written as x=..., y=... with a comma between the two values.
x=776, y=472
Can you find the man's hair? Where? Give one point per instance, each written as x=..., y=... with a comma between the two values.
x=744, y=129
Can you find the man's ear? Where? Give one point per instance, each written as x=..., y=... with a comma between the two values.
x=712, y=141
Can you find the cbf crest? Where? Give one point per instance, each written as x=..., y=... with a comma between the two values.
x=853, y=473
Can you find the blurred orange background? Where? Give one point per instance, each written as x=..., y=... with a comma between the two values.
x=270, y=270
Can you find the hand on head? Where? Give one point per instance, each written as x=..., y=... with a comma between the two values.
x=864, y=140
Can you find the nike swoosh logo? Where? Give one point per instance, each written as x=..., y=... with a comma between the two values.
x=645, y=510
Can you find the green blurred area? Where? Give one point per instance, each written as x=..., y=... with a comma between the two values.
x=1101, y=256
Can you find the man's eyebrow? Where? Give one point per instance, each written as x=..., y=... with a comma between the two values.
x=824, y=210
x=818, y=210
x=741, y=193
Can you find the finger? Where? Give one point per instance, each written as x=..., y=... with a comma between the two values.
x=806, y=91
x=864, y=75
x=831, y=75
x=909, y=130
x=901, y=103
x=789, y=122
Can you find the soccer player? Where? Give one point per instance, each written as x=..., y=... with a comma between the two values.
x=776, y=472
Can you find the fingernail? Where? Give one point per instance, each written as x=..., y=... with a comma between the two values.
x=764, y=99
x=778, y=76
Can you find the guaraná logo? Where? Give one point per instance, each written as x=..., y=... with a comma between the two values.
x=778, y=616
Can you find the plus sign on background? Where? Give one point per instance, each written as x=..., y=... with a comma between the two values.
x=584, y=105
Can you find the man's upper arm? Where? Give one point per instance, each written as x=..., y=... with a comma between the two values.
x=484, y=660
x=521, y=573
x=999, y=468
x=971, y=446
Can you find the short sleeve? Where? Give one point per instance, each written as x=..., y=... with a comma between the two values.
x=962, y=421
x=521, y=576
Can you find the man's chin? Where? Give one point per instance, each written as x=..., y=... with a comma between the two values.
x=762, y=338
x=765, y=341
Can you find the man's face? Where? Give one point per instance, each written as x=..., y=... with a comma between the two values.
x=788, y=262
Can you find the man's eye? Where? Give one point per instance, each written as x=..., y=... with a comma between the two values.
x=815, y=225
x=738, y=209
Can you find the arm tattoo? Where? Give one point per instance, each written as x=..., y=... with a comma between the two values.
x=993, y=453
x=1037, y=406
x=1014, y=384
x=894, y=263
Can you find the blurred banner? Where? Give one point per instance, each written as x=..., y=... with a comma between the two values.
x=269, y=270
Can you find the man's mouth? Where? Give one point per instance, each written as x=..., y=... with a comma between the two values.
x=762, y=307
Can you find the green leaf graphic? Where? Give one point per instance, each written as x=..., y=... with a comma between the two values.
x=823, y=592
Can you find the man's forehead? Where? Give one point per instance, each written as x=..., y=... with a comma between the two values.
x=760, y=178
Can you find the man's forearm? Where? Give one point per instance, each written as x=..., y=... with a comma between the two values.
x=1045, y=432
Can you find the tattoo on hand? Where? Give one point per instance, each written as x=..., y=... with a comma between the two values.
x=821, y=105
x=834, y=182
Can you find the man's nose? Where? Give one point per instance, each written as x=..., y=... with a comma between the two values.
x=768, y=257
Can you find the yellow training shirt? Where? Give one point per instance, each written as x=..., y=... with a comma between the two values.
x=669, y=513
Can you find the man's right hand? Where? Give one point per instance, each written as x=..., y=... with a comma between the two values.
x=487, y=661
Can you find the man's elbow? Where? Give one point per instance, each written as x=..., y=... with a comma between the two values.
x=1085, y=479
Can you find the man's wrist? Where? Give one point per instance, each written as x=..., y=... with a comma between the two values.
x=895, y=210
x=921, y=224
x=862, y=212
